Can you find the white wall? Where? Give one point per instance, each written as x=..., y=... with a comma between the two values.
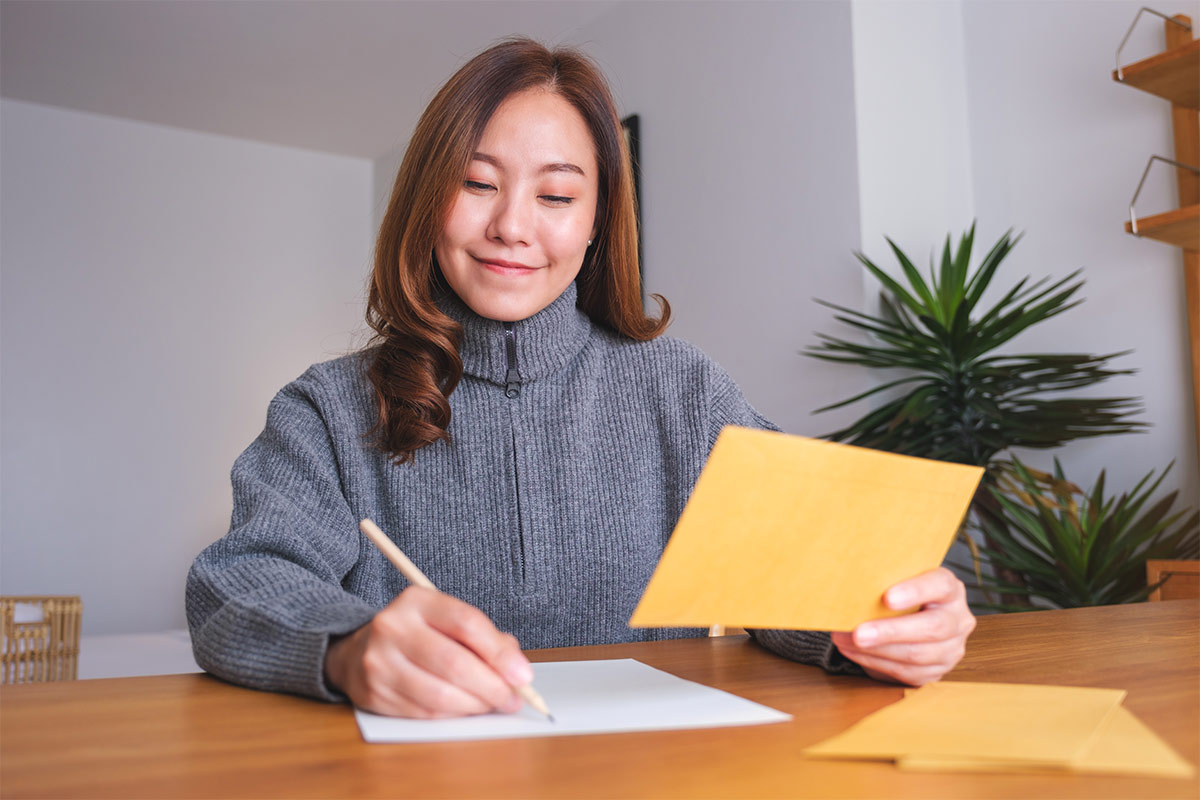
x=913, y=137
x=914, y=153
x=158, y=287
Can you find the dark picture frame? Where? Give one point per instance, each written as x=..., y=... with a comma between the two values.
x=631, y=127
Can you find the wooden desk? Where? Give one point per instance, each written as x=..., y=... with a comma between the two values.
x=193, y=736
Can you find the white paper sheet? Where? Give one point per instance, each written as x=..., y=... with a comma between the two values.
x=610, y=696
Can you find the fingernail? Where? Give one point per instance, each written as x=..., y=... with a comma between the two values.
x=518, y=672
x=900, y=598
x=865, y=636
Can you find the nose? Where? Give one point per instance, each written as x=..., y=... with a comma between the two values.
x=512, y=221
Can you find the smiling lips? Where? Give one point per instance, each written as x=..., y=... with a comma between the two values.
x=506, y=267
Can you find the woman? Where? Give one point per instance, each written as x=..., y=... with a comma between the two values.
x=519, y=428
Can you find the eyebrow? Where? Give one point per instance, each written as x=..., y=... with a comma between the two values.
x=558, y=166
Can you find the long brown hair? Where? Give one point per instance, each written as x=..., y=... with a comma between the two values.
x=416, y=362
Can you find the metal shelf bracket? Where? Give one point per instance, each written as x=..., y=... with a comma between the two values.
x=1120, y=73
x=1145, y=172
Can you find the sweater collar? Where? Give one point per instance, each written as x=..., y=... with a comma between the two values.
x=545, y=342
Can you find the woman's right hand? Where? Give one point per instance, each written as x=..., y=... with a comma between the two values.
x=429, y=655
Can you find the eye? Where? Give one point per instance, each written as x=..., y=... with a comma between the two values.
x=557, y=199
x=478, y=186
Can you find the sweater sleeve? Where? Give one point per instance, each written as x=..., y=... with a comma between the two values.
x=730, y=407
x=263, y=601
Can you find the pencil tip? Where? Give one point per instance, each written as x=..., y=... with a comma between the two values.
x=550, y=717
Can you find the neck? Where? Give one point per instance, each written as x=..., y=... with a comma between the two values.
x=536, y=346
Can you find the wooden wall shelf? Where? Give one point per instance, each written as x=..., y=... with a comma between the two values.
x=1171, y=74
x=1174, y=74
x=1180, y=227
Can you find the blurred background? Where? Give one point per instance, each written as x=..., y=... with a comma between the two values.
x=189, y=193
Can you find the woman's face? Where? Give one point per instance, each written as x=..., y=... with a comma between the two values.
x=518, y=230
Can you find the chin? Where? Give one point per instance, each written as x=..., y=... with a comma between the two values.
x=500, y=311
x=510, y=307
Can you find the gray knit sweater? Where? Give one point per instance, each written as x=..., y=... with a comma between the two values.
x=573, y=452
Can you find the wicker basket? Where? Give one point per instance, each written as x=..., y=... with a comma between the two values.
x=40, y=638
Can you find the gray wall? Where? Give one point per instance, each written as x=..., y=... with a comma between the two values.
x=750, y=193
x=1057, y=148
x=158, y=287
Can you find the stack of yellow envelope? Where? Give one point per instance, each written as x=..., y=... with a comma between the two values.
x=1000, y=727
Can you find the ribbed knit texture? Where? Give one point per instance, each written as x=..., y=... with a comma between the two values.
x=548, y=510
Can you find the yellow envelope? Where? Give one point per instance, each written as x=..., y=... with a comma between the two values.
x=1012, y=725
x=1125, y=746
x=787, y=532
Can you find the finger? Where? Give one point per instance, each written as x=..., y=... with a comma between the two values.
x=935, y=624
x=938, y=586
x=392, y=678
x=429, y=668
x=457, y=666
x=908, y=662
x=912, y=664
x=499, y=651
x=370, y=682
x=384, y=699
x=447, y=644
x=448, y=695
x=389, y=702
x=946, y=653
x=900, y=672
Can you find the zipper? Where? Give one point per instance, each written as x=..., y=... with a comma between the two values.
x=520, y=524
x=512, y=378
x=512, y=390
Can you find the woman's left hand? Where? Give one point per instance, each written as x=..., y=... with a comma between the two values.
x=916, y=648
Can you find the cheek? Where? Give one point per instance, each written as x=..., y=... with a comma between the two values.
x=568, y=237
x=462, y=222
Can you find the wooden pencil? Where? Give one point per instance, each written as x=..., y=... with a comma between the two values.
x=414, y=575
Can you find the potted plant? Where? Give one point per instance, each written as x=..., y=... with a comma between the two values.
x=1075, y=548
x=959, y=397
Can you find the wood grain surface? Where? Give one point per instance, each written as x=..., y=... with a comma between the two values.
x=192, y=736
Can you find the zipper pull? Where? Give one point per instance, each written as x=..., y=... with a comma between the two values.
x=512, y=378
x=512, y=384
